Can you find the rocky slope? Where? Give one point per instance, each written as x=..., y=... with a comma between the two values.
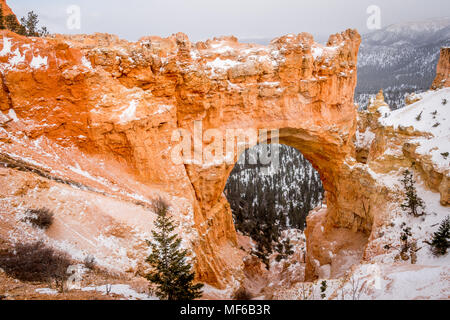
x=99, y=113
x=387, y=143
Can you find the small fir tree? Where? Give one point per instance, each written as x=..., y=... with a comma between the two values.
x=284, y=249
x=440, y=242
x=412, y=203
x=171, y=275
x=323, y=289
x=30, y=23
x=13, y=25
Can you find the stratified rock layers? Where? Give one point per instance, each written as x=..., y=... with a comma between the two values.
x=123, y=101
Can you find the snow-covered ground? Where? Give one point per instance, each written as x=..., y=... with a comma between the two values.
x=385, y=276
x=400, y=59
x=428, y=278
x=431, y=115
x=120, y=289
x=124, y=290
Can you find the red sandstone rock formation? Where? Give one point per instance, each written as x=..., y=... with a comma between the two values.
x=114, y=106
x=123, y=100
x=443, y=70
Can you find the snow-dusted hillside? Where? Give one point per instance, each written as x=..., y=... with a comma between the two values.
x=400, y=59
x=429, y=115
x=386, y=272
x=385, y=275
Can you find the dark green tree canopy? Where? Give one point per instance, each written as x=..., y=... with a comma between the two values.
x=413, y=204
x=172, y=275
x=440, y=242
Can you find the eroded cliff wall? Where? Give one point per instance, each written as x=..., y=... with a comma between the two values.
x=123, y=101
x=443, y=70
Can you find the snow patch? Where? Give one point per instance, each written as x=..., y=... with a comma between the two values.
x=7, y=45
x=12, y=115
x=364, y=140
x=121, y=289
x=130, y=113
x=39, y=62
x=427, y=115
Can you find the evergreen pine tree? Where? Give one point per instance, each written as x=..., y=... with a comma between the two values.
x=30, y=23
x=412, y=202
x=440, y=241
x=12, y=24
x=171, y=274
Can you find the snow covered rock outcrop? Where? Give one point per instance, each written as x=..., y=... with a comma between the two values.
x=443, y=70
x=357, y=267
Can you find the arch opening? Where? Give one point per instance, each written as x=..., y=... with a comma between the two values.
x=270, y=199
x=326, y=150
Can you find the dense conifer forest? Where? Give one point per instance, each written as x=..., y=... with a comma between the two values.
x=264, y=205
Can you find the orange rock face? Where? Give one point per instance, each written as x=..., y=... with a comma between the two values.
x=443, y=70
x=6, y=9
x=125, y=101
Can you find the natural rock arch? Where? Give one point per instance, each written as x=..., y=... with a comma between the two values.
x=123, y=101
x=313, y=109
